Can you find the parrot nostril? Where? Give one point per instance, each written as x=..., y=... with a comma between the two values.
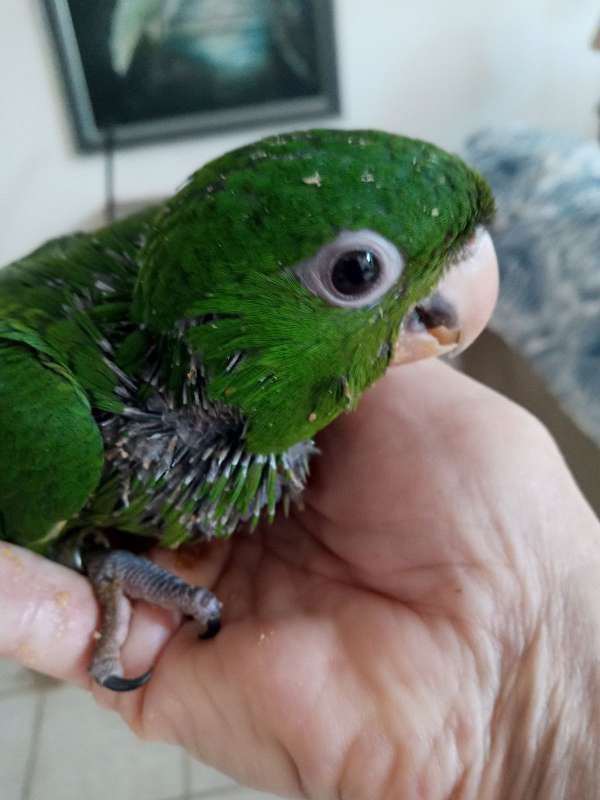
x=434, y=312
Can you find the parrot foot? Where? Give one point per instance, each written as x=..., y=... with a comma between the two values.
x=118, y=575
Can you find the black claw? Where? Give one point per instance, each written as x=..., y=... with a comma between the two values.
x=117, y=684
x=213, y=626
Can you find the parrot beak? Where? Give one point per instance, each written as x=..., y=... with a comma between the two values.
x=450, y=319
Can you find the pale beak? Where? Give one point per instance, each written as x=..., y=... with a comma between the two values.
x=450, y=319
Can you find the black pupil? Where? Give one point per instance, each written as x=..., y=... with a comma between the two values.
x=355, y=272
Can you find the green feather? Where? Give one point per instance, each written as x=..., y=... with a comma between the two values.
x=226, y=242
x=51, y=448
x=184, y=334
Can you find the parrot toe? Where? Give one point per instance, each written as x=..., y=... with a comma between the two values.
x=117, y=684
x=213, y=626
x=116, y=576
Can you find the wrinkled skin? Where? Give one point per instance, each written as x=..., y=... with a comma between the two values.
x=427, y=628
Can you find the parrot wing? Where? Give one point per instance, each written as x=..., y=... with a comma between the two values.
x=58, y=308
x=67, y=299
x=51, y=447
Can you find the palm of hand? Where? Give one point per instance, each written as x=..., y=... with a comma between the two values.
x=368, y=641
x=360, y=633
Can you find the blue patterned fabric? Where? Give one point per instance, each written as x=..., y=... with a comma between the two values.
x=547, y=236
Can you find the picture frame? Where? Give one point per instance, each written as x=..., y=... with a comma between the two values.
x=143, y=70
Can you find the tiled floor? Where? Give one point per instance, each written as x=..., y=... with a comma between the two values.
x=51, y=737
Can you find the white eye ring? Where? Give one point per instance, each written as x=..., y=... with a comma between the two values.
x=383, y=263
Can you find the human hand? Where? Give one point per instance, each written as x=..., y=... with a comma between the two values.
x=427, y=627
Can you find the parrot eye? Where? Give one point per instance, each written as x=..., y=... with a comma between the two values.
x=353, y=271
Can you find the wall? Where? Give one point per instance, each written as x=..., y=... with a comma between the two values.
x=432, y=68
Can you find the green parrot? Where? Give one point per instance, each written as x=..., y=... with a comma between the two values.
x=163, y=378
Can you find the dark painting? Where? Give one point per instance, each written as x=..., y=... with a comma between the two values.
x=145, y=68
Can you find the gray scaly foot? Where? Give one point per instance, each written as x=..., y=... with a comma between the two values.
x=117, y=575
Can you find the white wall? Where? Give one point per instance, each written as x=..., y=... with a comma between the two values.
x=438, y=69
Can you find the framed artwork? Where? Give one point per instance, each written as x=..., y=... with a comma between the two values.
x=152, y=69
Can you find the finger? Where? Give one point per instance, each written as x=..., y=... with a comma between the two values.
x=445, y=475
x=199, y=564
x=411, y=429
x=425, y=466
x=50, y=617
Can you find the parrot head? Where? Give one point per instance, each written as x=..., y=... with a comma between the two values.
x=300, y=267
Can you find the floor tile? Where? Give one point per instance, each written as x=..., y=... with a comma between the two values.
x=202, y=778
x=17, y=721
x=250, y=794
x=218, y=793
x=88, y=753
x=232, y=792
x=12, y=676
